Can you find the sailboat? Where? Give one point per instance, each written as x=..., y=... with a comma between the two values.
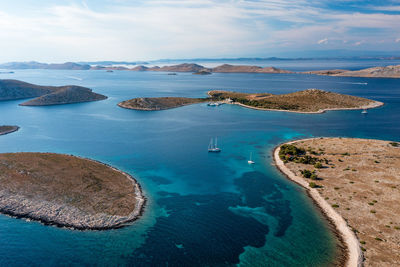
x=212, y=147
x=250, y=161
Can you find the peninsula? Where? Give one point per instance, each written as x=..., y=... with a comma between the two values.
x=6, y=129
x=46, y=95
x=67, y=191
x=307, y=101
x=356, y=183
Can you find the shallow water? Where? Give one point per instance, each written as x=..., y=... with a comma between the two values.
x=203, y=209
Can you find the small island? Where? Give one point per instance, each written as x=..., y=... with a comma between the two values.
x=159, y=103
x=67, y=191
x=374, y=72
x=46, y=95
x=202, y=72
x=6, y=129
x=356, y=183
x=307, y=101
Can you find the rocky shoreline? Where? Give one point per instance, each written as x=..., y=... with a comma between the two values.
x=8, y=129
x=58, y=213
x=374, y=104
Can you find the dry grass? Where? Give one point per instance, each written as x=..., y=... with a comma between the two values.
x=87, y=185
x=362, y=181
x=311, y=100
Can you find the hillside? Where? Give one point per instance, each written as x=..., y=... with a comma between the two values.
x=64, y=190
x=13, y=89
x=159, y=103
x=308, y=101
x=185, y=67
x=46, y=95
x=375, y=72
x=65, y=95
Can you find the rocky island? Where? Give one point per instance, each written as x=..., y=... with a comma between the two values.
x=307, y=101
x=375, y=72
x=46, y=95
x=356, y=183
x=67, y=191
x=6, y=129
x=159, y=103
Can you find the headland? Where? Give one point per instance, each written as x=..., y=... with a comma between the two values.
x=356, y=183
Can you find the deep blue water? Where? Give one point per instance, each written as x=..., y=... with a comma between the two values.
x=203, y=209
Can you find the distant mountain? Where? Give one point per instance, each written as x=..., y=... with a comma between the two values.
x=109, y=63
x=185, y=67
x=38, y=65
x=195, y=68
x=46, y=95
x=244, y=68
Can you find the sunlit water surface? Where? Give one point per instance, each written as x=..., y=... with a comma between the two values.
x=203, y=209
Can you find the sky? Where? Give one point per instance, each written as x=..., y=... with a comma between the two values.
x=90, y=30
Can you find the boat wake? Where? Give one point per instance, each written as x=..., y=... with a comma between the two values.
x=353, y=83
x=74, y=78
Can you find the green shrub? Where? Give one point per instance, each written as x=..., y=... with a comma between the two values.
x=306, y=173
x=335, y=206
x=318, y=165
x=314, y=185
x=395, y=144
x=289, y=152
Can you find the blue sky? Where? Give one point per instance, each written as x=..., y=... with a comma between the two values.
x=75, y=30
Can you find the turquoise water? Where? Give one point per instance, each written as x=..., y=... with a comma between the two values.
x=203, y=209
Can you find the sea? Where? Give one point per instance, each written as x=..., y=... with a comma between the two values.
x=203, y=209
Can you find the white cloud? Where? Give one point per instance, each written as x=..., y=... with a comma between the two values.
x=323, y=41
x=178, y=29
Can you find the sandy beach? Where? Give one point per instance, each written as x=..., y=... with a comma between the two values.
x=354, y=253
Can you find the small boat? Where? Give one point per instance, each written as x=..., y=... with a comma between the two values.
x=364, y=111
x=214, y=104
x=212, y=147
x=250, y=161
